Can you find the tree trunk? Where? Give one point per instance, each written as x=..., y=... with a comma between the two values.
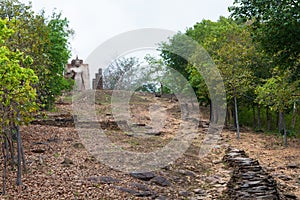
x=227, y=117
x=11, y=146
x=236, y=116
x=294, y=116
x=19, y=150
x=254, y=116
x=216, y=115
x=161, y=89
x=23, y=158
x=233, y=115
x=284, y=131
x=5, y=152
x=211, y=114
x=258, y=118
x=269, y=118
x=280, y=121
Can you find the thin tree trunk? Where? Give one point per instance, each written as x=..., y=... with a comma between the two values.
x=269, y=118
x=280, y=121
x=230, y=115
x=254, y=116
x=227, y=117
x=294, y=116
x=23, y=158
x=284, y=131
x=216, y=115
x=161, y=89
x=211, y=114
x=258, y=118
x=236, y=116
x=12, y=156
x=4, y=152
x=19, y=149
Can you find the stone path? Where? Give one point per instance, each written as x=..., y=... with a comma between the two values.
x=249, y=180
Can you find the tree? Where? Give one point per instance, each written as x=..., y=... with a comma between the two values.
x=59, y=52
x=278, y=93
x=232, y=50
x=120, y=70
x=275, y=24
x=168, y=50
x=234, y=58
x=46, y=41
x=17, y=97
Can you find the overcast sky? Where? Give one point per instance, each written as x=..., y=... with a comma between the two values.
x=95, y=21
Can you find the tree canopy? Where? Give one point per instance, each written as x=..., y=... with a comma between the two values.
x=45, y=40
x=275, y=24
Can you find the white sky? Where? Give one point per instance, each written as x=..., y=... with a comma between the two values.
x=95, y=21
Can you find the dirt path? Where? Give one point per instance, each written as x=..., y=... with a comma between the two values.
x=59, y=167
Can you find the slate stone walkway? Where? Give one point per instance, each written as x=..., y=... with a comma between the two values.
x=249, y=180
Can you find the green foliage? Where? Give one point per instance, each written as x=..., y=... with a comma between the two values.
x=168, y=52
x=45, y=41
x=277, y=92
x=275, y=25
x=58, y=50
x=17, y=96
x=244, y=62
x=229, y=44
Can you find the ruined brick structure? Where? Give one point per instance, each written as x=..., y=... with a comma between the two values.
x=98, y=81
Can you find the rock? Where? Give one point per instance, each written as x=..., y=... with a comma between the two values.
x=140, y=186
x=67, y=162
x=143, y=194
x=161, y=198
x=199, y=191
x=293, y=166
x=161, y=181
x=108, y=180
x=135, y=193
x=187, y=173
x=184, y=193
x=217, y=162
x=154, y=133
x=129, y=134
x=290, y=196
x=78, y=146
x=145, y=176
x=285, y=178
x=212, y=179
x=38, y=151
x=130, y=191
x=55, y=140
x=139, y=124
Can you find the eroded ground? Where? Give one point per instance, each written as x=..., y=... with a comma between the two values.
x=59, y=166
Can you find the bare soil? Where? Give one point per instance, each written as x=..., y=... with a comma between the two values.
x=59, y=166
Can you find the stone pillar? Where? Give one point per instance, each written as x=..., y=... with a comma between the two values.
x=98, y=81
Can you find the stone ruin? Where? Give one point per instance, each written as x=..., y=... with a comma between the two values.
x=98, y=81
x=79, y=71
